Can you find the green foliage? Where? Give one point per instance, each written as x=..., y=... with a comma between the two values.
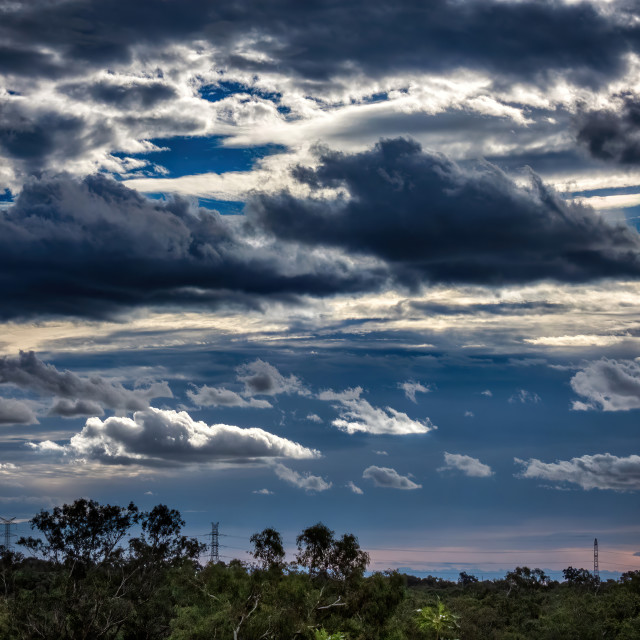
x=580, y=577
x=314, y=549
x=84, y=531
x=322, y=555
x=268, y=549
x=465, y=578
x=437, y=621
x=321, y=634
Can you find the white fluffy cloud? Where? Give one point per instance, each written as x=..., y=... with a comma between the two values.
x=159, y=437
x=356, y=414
x=468, y=465
x=600, y=471
x=304, y=481
x=609, y=385
x=389, y=478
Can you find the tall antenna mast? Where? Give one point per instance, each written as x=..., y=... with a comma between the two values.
x=8, y=523
x=596, y=570
x=214, y=547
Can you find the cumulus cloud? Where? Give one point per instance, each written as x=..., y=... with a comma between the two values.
x=16, y=412
x=262, y=378
x=357, y=490
x=313, y=417
x=259, y=378
x=263, y=492
x=600, y=471
x=389, y=478
x=449, y=223
x=525, y=397
x=486, y=392
x=304, y=481
x=75, y=395
x=469, y=466
x=356, y=414
x=411, y=387
x=219, y=397
x=157, y=437
x=608, y=385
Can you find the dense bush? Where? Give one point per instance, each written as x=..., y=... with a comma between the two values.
x=100, y=571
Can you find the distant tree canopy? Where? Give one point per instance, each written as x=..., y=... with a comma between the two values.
x=118, y=573
x=268, y=549
x=323, y=555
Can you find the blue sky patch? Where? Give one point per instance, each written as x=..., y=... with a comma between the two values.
x=186, y=155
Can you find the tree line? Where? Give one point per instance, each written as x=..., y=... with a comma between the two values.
x=118, y=573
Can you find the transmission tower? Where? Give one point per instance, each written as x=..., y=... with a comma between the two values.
x=8, y=523
x=596, y=570
x=214, y=547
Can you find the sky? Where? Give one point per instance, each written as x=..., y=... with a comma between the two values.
x=374, y=264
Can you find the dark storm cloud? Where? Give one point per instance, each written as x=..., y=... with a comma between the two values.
x=76, y=394
x=36, y=140
x=94, y=247
x=131, y=96
x=613, y=134
x=431, y=220
x=319, y=40
x=15, y=60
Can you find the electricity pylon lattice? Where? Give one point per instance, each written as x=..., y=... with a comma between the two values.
x=8, y=523
x=596, y=569
x=215, y=545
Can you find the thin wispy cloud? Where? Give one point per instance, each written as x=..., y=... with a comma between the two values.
x=411, y=387
x=358, y=415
